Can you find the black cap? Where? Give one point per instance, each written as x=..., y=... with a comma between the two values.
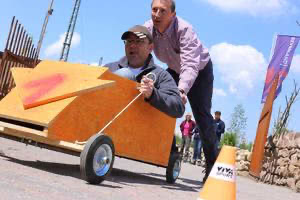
x=139, y=31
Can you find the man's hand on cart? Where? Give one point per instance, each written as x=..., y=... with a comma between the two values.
x=146, y=87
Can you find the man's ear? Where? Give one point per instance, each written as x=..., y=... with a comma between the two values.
x=151, y=46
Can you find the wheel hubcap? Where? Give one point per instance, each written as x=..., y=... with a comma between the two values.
x=176, y=169
x=102, y=160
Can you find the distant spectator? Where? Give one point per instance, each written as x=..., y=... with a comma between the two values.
x=220, y=126
x=197, y=146
x=186, y=127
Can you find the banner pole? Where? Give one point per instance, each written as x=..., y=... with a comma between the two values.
x=262, y=132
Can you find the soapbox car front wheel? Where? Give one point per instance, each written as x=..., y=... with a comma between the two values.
x=97, y=159
x=174, y=167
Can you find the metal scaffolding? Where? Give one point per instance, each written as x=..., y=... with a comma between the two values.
x=69, y=34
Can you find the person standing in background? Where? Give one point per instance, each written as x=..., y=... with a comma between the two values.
x=197, y=146
x=220, y=126
x=186, y=127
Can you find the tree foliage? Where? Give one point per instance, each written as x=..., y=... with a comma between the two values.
x=238, y=122
x=229, y=139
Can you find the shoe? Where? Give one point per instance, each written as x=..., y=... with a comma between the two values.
x=207, y=171
x=205, y=178
x=193, y=162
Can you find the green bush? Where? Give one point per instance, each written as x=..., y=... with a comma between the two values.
x=246, y=146
x=229, y=139
x=243, y=145
x=178, y=140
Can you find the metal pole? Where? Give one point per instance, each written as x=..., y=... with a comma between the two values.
x=49, y=12
x=68, y=39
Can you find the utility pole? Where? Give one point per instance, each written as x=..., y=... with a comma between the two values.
x=49, y=12
x=69, y=34
x=100, y=61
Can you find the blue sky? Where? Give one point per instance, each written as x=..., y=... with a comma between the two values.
x=239, y=34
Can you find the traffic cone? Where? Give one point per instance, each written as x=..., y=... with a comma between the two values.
x=220, y=184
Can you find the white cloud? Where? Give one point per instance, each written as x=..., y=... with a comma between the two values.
x=94, y=64
x=240, y=66
x=295, y=66
x=255, y=7
x=219, y=92
x=56, y=48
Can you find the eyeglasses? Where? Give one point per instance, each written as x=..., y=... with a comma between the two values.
x=137, y=42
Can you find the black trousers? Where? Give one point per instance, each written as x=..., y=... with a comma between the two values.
x=200, y=96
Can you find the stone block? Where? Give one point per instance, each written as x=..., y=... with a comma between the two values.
x=283, y=153
x=295, y=159
x=291, y=183
x=243, y=173
x=280, y=181
x=248, y=156
x=293, y=170
x=283, y=161
x=283, y=171
x=297, y=186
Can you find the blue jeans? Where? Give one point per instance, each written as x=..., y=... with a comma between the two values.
x=126, y=73
x=197, y=149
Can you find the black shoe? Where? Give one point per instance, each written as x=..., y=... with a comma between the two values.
x=207, y=172
x=205, y=178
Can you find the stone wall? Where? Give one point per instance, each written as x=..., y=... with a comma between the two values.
x=281, y=165
x=243, y=159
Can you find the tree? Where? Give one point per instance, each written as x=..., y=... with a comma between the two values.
x=281, y=123
x=229, y=139
x=238, y=123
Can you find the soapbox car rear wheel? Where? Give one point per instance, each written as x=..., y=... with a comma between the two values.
x=174, y=167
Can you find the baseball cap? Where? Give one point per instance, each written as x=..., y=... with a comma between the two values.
x=140, y=31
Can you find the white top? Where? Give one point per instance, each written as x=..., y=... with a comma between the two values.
x=135, y=71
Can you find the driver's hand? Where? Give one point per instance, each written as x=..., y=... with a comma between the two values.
x=146, y=87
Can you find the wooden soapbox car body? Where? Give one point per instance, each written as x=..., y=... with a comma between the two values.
x=71, y=125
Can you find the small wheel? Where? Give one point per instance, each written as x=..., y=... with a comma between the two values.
x=97, y=159
x=174, y=167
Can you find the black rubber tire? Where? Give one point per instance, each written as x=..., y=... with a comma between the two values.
x=87, y=156
x=174, y=157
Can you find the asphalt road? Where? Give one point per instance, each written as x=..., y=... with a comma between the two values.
x=28, y=172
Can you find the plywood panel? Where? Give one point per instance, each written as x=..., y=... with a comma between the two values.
x=11, y=106
x=38, y=136
x=141, y=132
x=44, y=84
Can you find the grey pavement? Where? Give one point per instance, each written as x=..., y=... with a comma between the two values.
x=28, y=172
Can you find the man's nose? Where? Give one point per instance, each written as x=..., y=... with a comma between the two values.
x=157, y=13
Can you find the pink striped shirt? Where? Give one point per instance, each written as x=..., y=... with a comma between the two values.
x=180, y=48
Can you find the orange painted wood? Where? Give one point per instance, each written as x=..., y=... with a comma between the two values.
x=37, y=136
x=141, y=132
x=11, y=107
x=53, y=81
x=262, y=132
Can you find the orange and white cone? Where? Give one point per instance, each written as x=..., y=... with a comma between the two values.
x=221, y=182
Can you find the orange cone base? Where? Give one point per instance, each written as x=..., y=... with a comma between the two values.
x=221, y=182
